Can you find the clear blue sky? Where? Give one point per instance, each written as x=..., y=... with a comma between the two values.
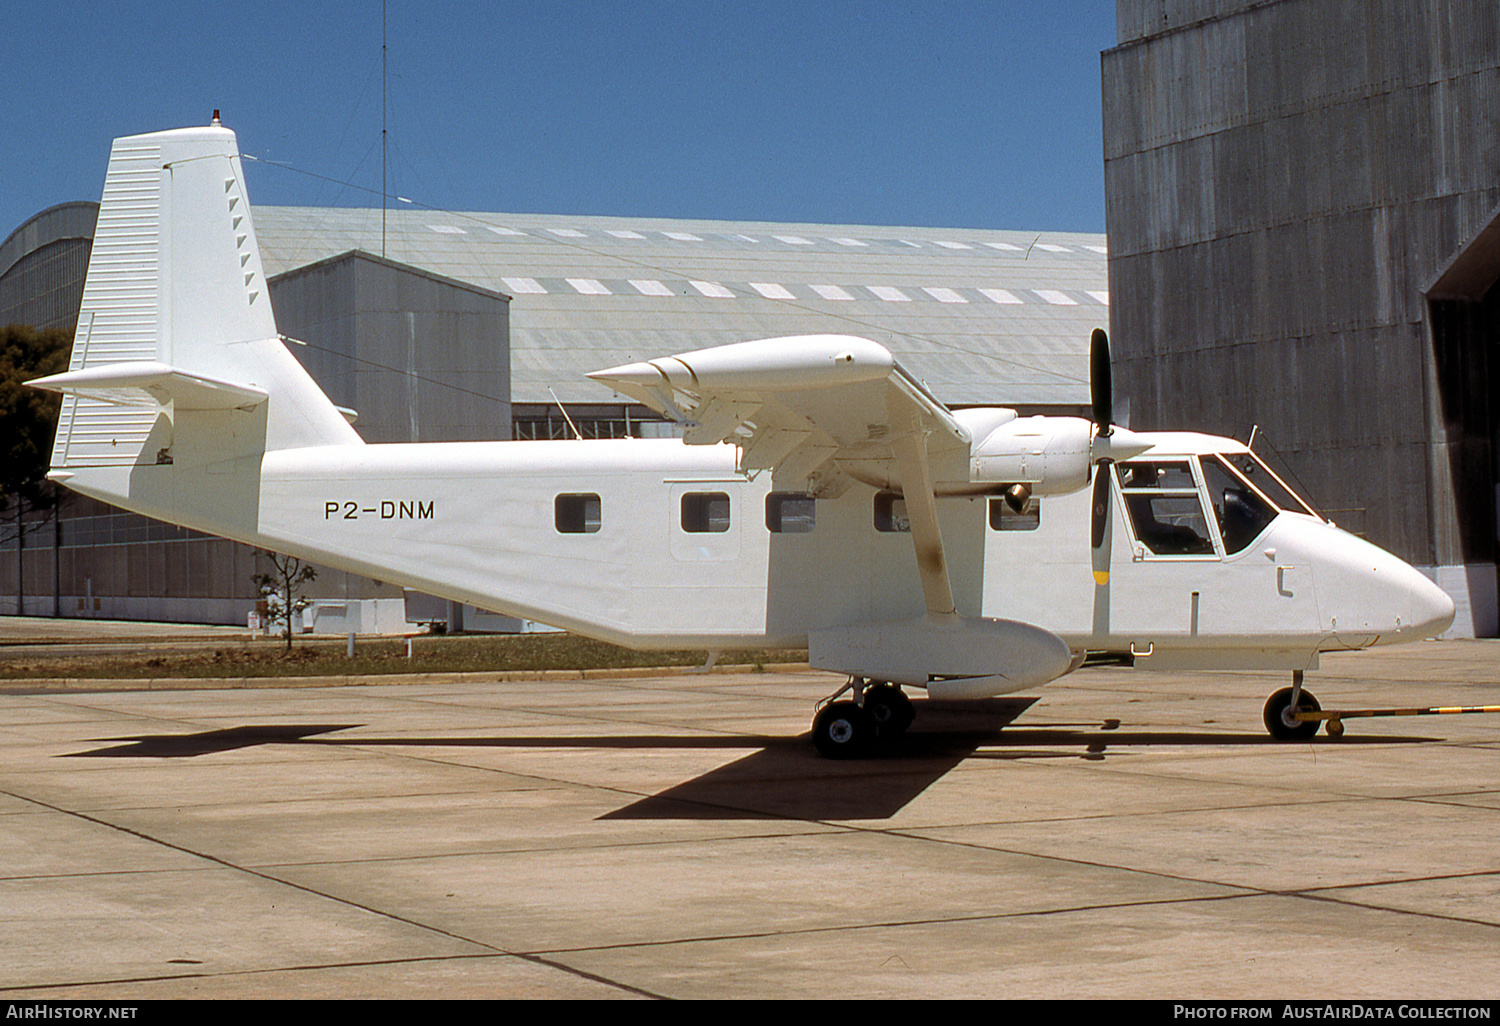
x=957, y=114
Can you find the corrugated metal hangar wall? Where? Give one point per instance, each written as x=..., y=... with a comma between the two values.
x=1298, y=193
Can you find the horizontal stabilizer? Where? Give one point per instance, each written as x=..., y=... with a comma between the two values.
x=150, y=383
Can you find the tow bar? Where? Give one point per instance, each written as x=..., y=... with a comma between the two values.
x=1335, y=717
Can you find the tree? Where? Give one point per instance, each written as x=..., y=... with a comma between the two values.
x=28, y=422
x=282, y=589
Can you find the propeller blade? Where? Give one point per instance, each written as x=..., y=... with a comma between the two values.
x=1100, y=386
x=1099, y=511
x=1101, y=554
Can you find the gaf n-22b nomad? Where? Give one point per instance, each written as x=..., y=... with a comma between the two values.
x=821, y=494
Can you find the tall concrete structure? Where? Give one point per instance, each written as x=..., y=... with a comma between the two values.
x=1304, y=236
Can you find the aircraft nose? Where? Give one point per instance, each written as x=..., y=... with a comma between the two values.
x=1432, y=609
x=1370, y=596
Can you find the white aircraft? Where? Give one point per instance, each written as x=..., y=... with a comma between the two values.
x=821, y=495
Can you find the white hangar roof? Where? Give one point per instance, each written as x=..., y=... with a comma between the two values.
x=984, y=317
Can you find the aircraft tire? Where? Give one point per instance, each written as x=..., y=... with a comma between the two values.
x=1281, y=730
x=843, y=731
x=889, y=707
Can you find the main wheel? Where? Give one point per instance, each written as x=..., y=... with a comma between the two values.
x=1278, y=716
x=843, y=731
x=889, y=707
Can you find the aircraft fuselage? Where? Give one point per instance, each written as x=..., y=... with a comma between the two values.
x=655, y=544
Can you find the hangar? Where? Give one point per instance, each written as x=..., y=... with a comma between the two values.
x=1303, y=203
x=454, y=326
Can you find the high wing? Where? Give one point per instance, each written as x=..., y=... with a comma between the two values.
x=818, y=411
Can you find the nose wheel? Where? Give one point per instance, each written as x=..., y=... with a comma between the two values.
x=1282, y=708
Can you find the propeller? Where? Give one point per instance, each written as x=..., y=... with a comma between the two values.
x=1101, y=391
x=1110, y=443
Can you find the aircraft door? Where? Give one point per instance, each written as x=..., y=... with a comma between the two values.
x=1166, y=563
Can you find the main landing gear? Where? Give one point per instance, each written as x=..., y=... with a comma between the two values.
x=850, y=729
x=1282, y=709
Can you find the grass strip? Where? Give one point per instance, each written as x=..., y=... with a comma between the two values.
x=316, y=658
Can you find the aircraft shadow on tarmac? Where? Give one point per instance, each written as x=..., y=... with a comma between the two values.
x=782, y=777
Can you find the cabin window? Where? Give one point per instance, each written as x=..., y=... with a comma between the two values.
x=705, y=512
x=1165, y=510
x=1003, y=518
x=1242, y=512
x=577, y=513
x=890, y=513
x=790, y=513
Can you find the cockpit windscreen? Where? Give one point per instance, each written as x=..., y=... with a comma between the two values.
x=1249, y=466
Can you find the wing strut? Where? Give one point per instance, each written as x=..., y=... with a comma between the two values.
x=910, y=448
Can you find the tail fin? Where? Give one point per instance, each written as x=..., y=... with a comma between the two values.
x=176, y=320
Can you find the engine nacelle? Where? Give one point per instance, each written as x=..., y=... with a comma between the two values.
x=1051, y=454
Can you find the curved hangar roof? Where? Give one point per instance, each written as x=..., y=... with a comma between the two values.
x=984, y=317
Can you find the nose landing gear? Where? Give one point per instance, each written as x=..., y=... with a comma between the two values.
x=1293, y=715
x=1282, y=708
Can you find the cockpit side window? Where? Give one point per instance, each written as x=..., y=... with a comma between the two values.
x=1171, y=475
x=1165, y=511
x=1242, y=512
